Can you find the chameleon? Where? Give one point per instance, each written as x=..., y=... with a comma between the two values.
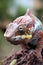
x=27, y=31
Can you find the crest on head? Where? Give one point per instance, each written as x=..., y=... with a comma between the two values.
x=28, y=12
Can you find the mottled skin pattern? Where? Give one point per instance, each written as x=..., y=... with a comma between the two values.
x=31, y=48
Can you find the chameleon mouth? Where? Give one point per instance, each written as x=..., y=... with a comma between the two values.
x=20, y=37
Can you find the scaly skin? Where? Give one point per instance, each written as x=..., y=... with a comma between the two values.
x=26, y=25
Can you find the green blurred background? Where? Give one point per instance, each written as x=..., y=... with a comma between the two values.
x=11, y=9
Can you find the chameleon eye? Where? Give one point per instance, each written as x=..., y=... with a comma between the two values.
x=20, y=28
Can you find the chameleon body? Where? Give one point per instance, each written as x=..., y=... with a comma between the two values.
x=26, y=30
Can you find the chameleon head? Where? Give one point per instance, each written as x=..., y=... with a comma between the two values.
x=19, y=30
